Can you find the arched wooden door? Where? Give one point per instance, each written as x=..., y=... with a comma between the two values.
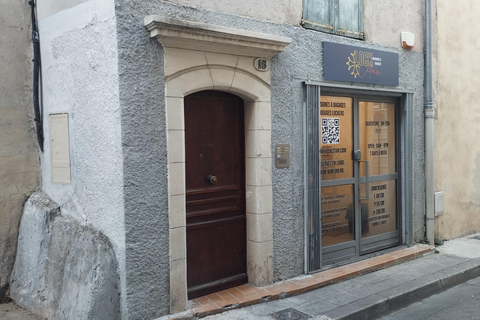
x=215, y=192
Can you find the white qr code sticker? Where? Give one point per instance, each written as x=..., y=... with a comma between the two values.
x=330, y=130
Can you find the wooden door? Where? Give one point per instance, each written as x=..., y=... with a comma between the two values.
x=215, y=192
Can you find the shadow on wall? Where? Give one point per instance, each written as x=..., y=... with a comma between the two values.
x=63, y=270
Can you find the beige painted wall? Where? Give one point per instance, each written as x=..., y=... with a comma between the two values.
x=457, y=138
x=279, y=11
x=19, y=173
x=385, y=20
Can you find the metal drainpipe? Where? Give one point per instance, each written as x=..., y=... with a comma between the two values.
x=429, y=122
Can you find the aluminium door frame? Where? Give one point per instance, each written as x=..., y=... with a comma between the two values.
x=312, y=188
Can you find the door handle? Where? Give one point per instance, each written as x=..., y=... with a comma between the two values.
x=367, y=181
x=211, y=179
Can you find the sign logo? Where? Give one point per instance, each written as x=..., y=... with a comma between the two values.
x=355, y=64
x=362, y=63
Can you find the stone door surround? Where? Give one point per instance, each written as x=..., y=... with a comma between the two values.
x=205, y=57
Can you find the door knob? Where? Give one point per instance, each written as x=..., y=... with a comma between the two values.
x=211, y=179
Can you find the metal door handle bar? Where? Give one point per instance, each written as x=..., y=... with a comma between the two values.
x=367, y=181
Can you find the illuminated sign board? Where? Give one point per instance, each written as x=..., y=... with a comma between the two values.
x=356, y=64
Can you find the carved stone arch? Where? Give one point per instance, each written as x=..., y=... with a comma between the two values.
x=241, y=82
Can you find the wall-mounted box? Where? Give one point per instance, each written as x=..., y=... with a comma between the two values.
x=438, y=203
x=60, y=148
x=282, y=156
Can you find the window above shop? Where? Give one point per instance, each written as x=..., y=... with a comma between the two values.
x=341, y=17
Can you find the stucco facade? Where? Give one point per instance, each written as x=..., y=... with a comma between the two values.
x=406, y=16
x=80, y=78
x=285, y=12
x=19, y=151
x=456, y=119
x=119, y=73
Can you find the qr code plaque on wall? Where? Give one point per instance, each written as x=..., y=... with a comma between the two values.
x=330, y=130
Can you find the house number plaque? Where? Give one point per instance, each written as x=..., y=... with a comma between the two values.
x=261, y=64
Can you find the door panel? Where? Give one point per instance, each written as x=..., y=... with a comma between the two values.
x=337, y=179
x=215, y=192
x=377, y=141
x=358, y=177
x=377, y=137
x=336, y=115
x=338, y=220
x=381, y=208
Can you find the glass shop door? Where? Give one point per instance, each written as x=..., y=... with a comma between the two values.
x=359, y=176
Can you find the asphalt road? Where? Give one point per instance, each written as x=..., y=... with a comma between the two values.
x=458, y=303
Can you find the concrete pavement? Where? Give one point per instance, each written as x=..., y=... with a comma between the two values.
x=10, y=311
x=378, y=293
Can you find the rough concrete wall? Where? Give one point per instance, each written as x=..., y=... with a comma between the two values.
x=411, y=66
x=80, y=77
x=385, y=20
x=142, y=85
x=278, y=11
x=19, y=165
x=63, y=270
x=144, y=163
x=457, y=152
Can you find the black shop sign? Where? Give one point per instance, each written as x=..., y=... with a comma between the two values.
x=356, y=64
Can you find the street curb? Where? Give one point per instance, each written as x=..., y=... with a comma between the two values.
x=393, y=299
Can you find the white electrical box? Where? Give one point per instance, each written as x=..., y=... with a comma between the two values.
x=60, y=148
x=438, y=203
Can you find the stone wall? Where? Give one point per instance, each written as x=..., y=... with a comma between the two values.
x=19, y=165
x=63, y=270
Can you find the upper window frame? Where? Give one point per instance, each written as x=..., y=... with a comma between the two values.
x=332, y=23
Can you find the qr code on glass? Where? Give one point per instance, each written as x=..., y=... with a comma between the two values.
x=330, y=130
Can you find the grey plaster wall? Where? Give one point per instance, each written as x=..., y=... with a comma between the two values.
x=278, y=11
x=144, y=163
x=19, y=152
x=63, y=270
x=141, y=87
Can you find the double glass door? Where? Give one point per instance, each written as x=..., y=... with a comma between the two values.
x=359, y=176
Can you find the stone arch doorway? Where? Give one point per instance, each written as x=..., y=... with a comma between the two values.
x=235, y=75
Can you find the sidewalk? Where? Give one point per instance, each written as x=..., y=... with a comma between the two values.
x=363, y=290
x=10, y=311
